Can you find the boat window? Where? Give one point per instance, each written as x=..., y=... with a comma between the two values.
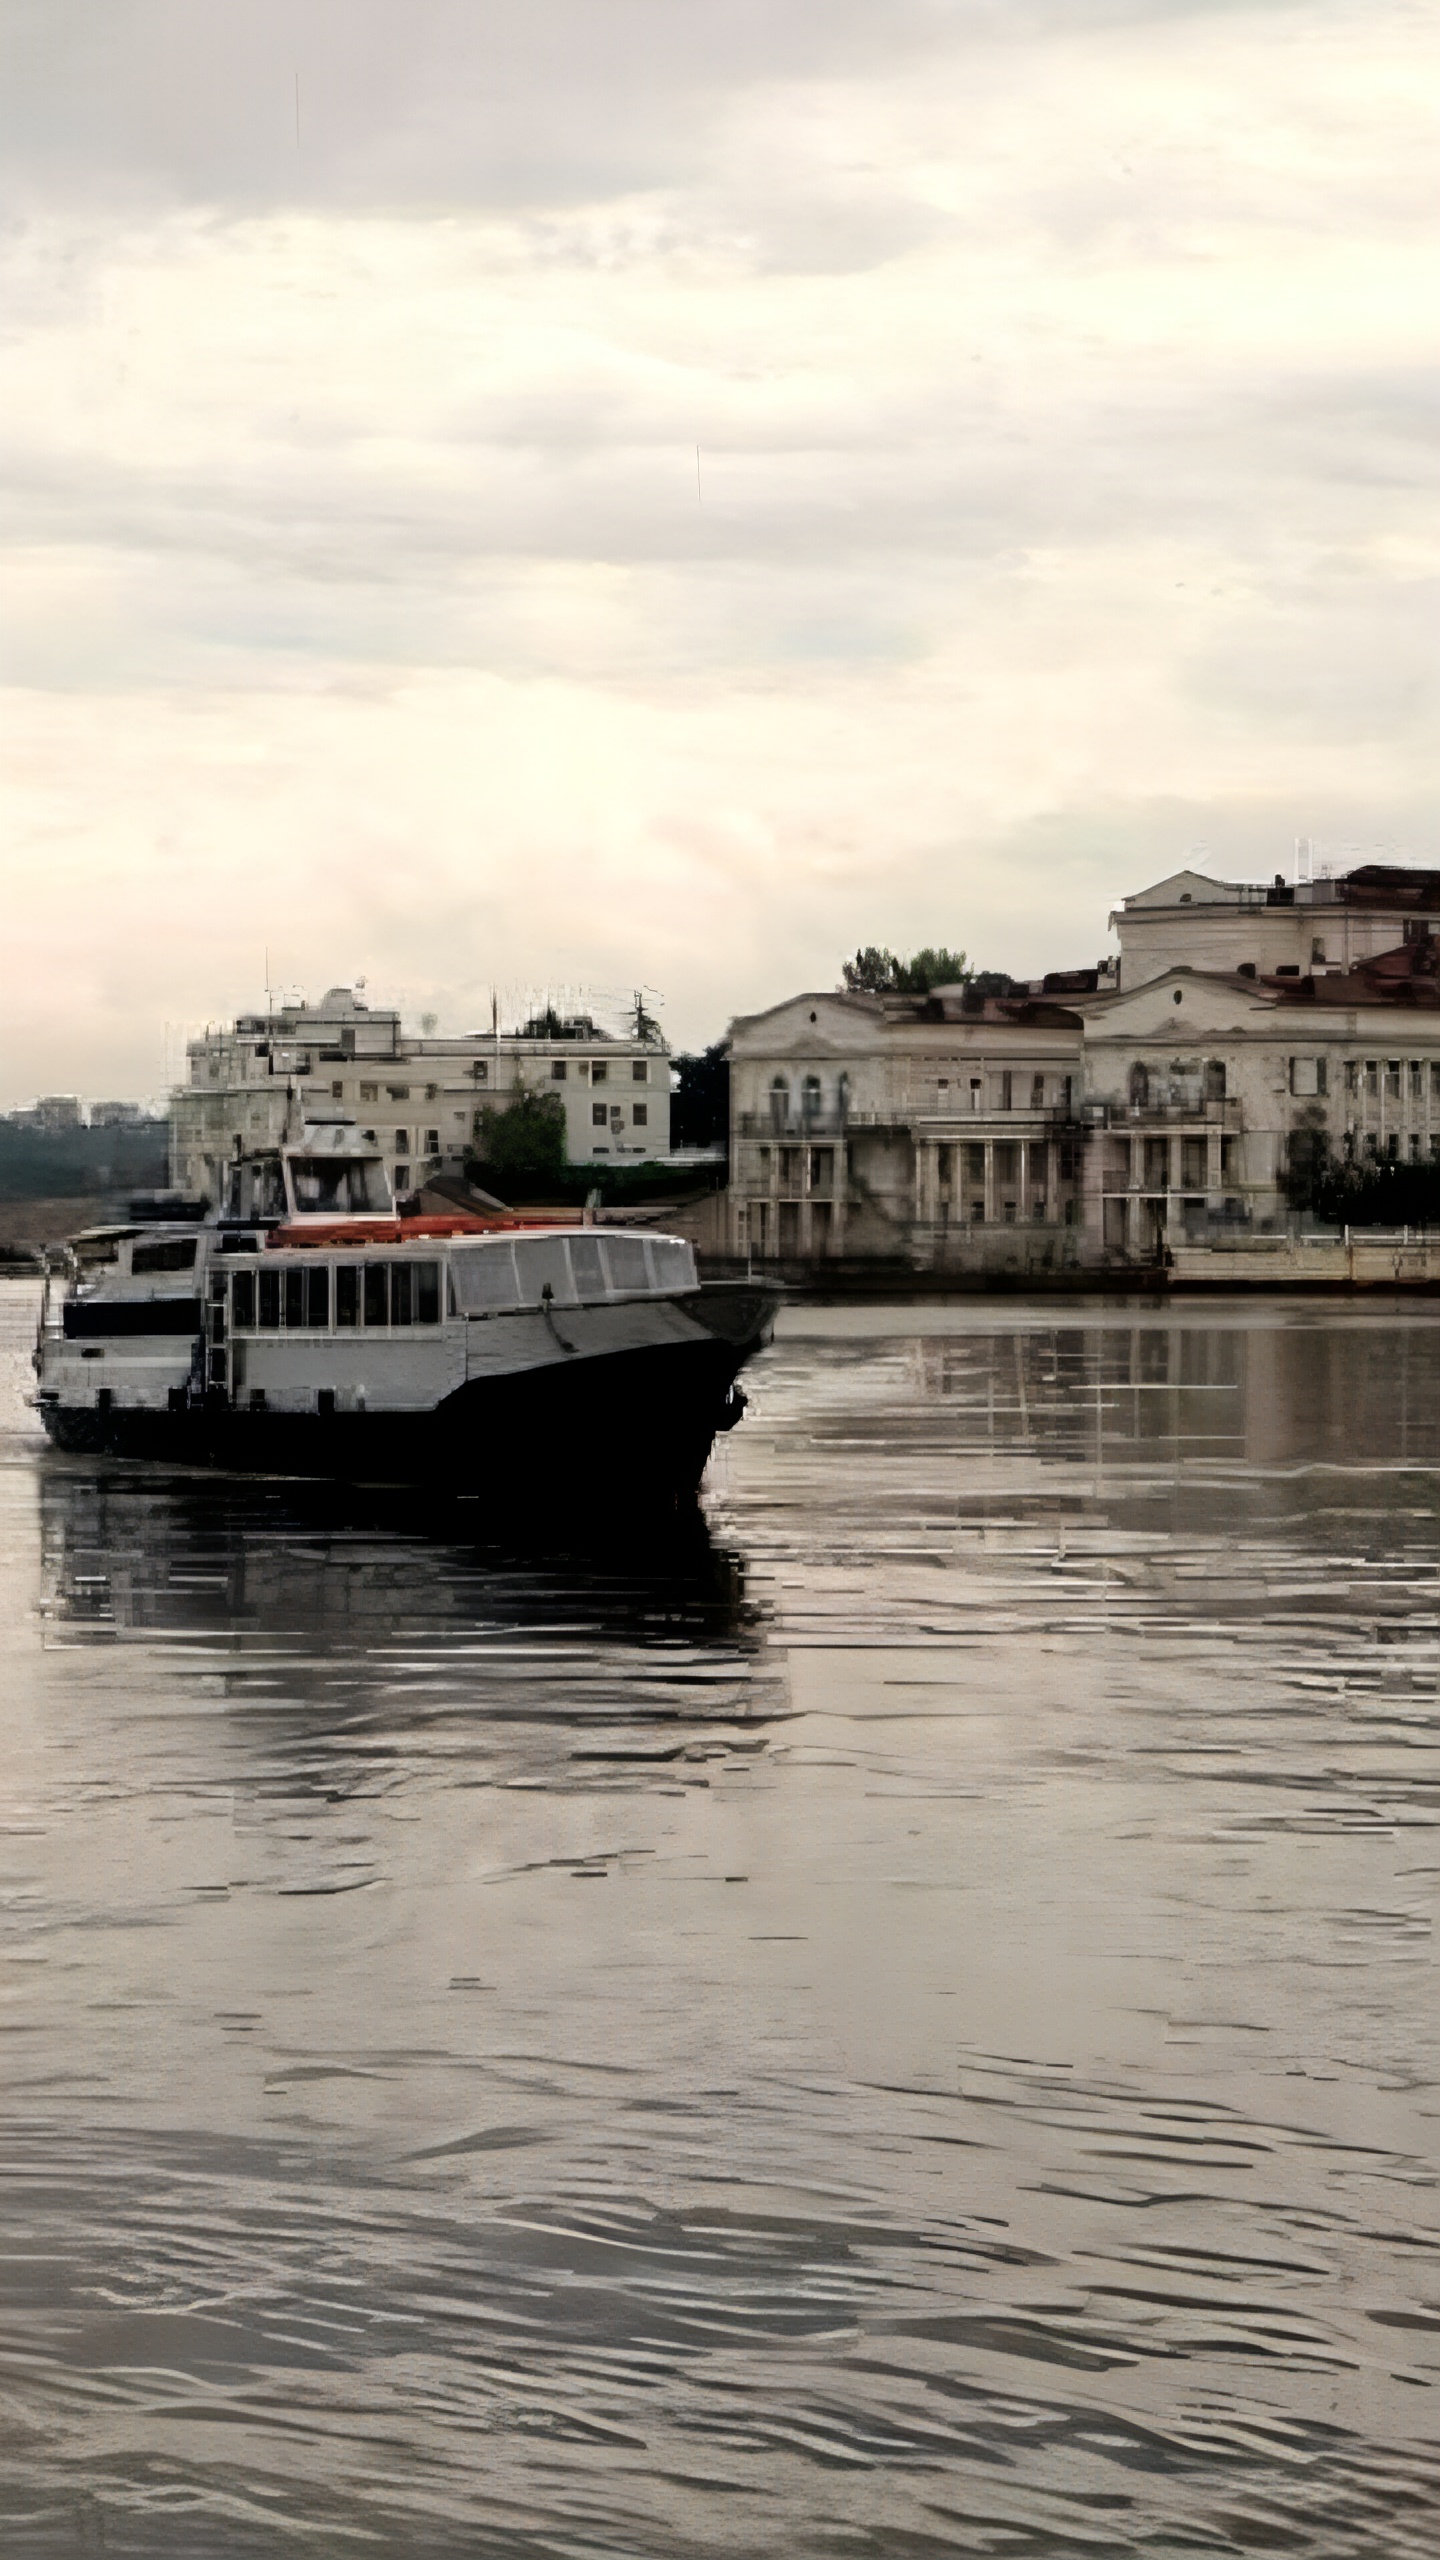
x=270, y=1187
x=377, y=1293
x=269, y=1295
x=543, y=1262
x=427, y=1293
x=347, y=1294
x=242, y=1302
x=317, y=1296
x=338, y=1184
x=625, y=1258
x=295, y=1298
x=484, y=1278
x=674, y=1263
x=588, y=1269
x=401, y=1293
x=95, y=1253
x=176, y=1254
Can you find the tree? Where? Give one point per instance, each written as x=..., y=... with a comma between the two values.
x=522, y=1142
x=876, y=972
x=700, y=1097
x=1373, y=1191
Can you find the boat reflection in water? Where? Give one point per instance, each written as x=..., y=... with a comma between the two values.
x=328, y=1614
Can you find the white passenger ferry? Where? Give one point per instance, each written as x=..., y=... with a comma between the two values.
x=308, y=1328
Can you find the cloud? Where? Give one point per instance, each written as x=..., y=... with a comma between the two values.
x=1064, y=471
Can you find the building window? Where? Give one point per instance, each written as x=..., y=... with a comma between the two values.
x=1037, y=1093
x=1139, y=1086
x=402, y=1177
x=398, y=1092
x=779, y=1102
x=1307, y=1075
x=640, y=1070
x=432, y=1142
x=598, y=1070
x=432, y=1093
x=402, y=1142
x=369, y=1093
x=1417, y=1080
x=1214, y=1079
x=599, y=1116
x=1372, y=1077
x=1392, y=1079
x=1352, y=1075
x=811, y=1097
x=977, y=1096
x=480, y=1071
x=1007, y=1091
x=640, y=1114
x=337, y=1091
x=557, y=1070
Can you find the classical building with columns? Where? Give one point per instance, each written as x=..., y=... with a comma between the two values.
x=865, y=1125
x=1105, y=1115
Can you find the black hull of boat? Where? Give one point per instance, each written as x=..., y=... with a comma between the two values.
x=635, y=1426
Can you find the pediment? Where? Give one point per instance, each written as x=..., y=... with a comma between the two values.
x=809, y=1026
x=1205, y=1005
x=1186, y=888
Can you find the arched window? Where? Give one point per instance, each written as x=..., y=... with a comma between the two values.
x=779, y=1102
x=811, y=1098
x=1214, y=1079
x=1139, y=1086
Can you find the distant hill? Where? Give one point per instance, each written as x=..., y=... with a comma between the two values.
x=48, y=1164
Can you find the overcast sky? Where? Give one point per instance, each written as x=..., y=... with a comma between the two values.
x=1062, y=378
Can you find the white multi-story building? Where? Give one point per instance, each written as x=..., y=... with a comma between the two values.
x=1289, y=929
x=1100, y=1115
x=421, y=1097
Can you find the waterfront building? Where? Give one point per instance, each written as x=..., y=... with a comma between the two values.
x=419, y=1097
x=861, y=1124
x=1105, y=1115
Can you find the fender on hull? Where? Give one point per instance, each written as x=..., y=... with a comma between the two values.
x=634, y=1425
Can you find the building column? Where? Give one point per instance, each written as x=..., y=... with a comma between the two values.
x=1214, y=1178
x=989, y=1182
x=1091, y=1187
x=1022, y=1181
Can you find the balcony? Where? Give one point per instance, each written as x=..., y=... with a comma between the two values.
x=1194, y=1114
x=800, y=1128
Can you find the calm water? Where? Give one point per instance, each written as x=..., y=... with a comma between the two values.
x=910, y=2029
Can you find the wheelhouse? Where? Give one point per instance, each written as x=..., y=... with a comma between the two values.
x=329, y=1172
